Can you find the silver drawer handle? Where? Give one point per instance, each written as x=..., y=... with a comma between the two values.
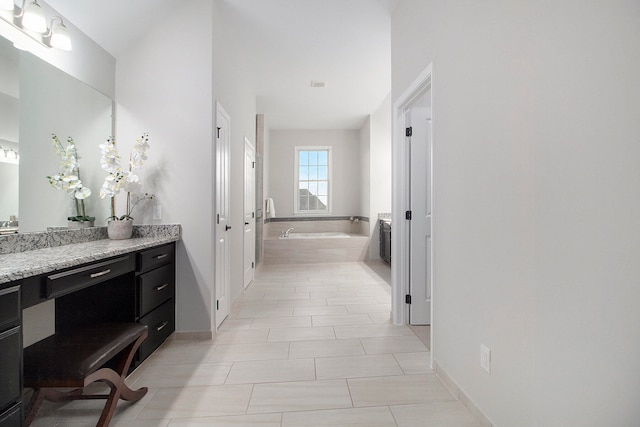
x=161, y=327
x=101, y=273
x=162, y=256
x=161, y=287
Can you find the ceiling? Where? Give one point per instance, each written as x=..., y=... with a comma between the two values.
x=290, y=43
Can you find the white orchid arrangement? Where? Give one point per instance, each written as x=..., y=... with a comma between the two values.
x=68, y=177
x=119, y=179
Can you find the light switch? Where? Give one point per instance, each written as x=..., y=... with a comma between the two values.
x=157, y=213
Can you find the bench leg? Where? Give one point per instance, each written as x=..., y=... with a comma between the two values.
x=114, y=378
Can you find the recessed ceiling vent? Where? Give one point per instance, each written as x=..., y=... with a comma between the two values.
x=318, y=83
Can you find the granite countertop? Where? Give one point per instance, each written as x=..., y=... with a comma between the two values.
x=19, y=265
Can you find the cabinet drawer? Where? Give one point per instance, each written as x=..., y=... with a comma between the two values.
x=156, y=287
x=10, y=311
x=161, y=323
x=152, y=258
x=12, y=417
x=72, y=280
x=10, y=366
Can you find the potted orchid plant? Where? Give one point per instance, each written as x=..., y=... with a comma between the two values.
x=68, y=179
x=119, y=179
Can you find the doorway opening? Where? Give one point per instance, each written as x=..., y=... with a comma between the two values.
x=412, y=214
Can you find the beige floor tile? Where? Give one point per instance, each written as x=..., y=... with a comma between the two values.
x=196, y=402
x=288, y=294
x=261, y=420
x=381, y=318
x=325, y=348
x=414, y=363
x=314, y=302
x=236, y=336
x=281, y=322
x=435, y=414
x=245, y=352
x=266, y=371
x=334, y=310
x=300, y=334
x=401, y=344
x=235, y=323
x=352, y=417
x=183, y=375
x=349, y=319
x=364, y=331
x=182, y=352
x=397, y=390
x=299, y=396
x=351, y=301
x=335, y=294
x=357, y=366
x=369, y=308
x=134, y=423
x=264, y=312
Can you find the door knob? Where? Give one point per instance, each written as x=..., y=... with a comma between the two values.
x=246, y=223
x=227, y=227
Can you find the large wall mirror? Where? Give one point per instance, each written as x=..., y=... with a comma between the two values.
x=36, y=100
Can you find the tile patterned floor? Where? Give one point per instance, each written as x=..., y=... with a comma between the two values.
x=305, y=345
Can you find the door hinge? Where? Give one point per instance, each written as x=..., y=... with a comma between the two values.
x=407, y=215
x=219, y=132
x=253, y=165
x=253, y=214
x=218, y=219
x=217, y=304
x=409, y=131
x=252, y=265
x=407, y=299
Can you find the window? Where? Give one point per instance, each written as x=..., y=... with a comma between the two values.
x=313, y=180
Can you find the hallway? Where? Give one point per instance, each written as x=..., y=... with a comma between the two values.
x=306, y=345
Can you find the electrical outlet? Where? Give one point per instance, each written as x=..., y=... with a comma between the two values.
x=157, y=213
x=485, y=358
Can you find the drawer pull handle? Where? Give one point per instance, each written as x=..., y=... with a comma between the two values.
x=100, y=273
x=162, y=256
x=161, y=287
x=161, y=326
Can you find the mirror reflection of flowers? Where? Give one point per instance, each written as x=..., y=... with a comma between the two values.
x=119, y=179
x=68, y=177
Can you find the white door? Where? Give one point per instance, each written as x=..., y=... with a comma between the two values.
x=418, y=119
x=222, y=226
x=249, y=211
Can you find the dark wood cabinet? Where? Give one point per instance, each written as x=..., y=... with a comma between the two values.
x=10, y=356
x=131, y=287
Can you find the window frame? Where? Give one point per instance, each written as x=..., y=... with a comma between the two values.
x=296, y=180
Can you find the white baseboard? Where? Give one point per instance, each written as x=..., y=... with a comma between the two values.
x=192, y=335
x=459, y=394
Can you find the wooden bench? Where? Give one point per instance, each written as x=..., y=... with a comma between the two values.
x=77, y=358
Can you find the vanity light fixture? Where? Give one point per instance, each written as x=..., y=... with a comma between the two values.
x=8, y=155
x=30, y=19
x=58, y=35
x=6, y=5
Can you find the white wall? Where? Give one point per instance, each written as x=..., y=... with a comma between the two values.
x=231, y=87
x=587, y=134
x=164, y=87
x=346, y=159
x=380, y=171
x=535, y=213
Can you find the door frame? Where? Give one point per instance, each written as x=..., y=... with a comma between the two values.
x=215, y=318
x=249, y=148
x=400, y=204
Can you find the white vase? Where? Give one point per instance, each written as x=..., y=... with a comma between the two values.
x=119, y=230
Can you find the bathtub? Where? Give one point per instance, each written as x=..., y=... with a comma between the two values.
x=322, y=235
x=326, y=246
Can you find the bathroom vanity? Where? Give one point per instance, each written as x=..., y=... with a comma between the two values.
x=103, y=280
